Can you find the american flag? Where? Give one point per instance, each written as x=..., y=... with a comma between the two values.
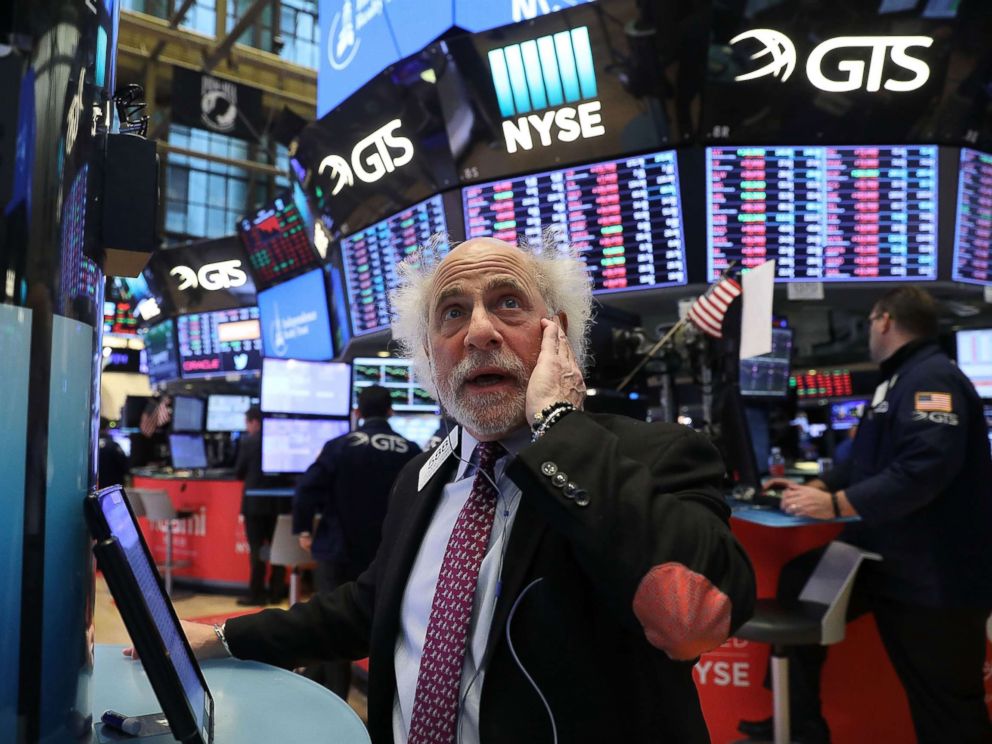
x=708, y=310
x=934, y=402
x=158, y=416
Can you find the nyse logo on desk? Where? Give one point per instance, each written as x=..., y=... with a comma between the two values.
x=373, y=157
x=844, y=58
x=212, y=276
x=539, y=76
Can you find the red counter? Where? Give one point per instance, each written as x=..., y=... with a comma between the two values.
x=862, y=697
x=213, y=540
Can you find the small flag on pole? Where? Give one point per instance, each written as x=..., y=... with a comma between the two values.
x=152, y=420
x=708, y=310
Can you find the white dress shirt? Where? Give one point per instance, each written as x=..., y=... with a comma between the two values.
x=419, y=594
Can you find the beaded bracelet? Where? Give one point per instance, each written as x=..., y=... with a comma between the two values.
x=560, y=410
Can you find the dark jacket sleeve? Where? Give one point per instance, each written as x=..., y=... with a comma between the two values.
x=654, y=538
x=928, y=450
x=839, y=476
x=314, y=490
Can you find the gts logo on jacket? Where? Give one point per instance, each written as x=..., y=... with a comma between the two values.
x=381, y=442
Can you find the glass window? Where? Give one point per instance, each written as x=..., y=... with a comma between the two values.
x=202, y=17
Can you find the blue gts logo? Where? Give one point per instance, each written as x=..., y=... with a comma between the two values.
x=541, y=75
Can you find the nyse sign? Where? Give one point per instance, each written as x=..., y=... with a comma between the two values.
x=845, y=55
x=380, y=153
x=212, y=276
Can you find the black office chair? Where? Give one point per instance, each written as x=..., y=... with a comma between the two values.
x=818, y=616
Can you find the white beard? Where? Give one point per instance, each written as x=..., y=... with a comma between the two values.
x=486, y=414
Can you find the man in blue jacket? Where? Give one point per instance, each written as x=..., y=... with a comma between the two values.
x=349, y=485
x=920, y=479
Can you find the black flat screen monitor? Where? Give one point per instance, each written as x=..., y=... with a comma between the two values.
x=188, y=451
x=161, y=352
x=220, y=342
x=735, y=442
x=973, y=227
x=846, y=414
x=227, y=412
x=624, y=216
x=975, y=358
x=315, y=388
x=149, y=616
x=830, y=214
x=767, y=376
x=290, y=445
x=372, y=255
x=187, y=413
x=277, y=242
x=397, y=376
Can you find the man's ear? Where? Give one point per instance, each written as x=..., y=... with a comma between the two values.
x=562, y=320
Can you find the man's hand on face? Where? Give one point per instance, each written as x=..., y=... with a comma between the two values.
x=556, y=376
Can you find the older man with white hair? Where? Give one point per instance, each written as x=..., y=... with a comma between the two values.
x=545, y=574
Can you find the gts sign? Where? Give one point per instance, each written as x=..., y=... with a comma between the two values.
x=373, y=157
x=211, y=277
x=843, y=56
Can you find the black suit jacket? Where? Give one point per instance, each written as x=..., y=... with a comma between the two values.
x=653, y=500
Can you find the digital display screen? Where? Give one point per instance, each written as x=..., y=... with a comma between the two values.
x=224, y=341
x=417, y=427
x=824, y=213
x=188, y=451
x=187, y=413
x=975, y=358
x=397, y=376
x=624, y=216
x=291, y=445
x=846, y=414
x=161, y=352
x=276, y=242
x=768, y=375
x=973, y=231
x=834, y=383
x=317, y=388
x=227, y=412
x=295, y=320
x=372, y=255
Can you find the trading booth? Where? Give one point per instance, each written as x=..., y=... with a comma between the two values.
x=850, y=144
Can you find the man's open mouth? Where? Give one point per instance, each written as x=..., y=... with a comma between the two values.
x=487, y=378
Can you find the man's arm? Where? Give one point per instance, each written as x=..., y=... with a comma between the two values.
x=313, y=490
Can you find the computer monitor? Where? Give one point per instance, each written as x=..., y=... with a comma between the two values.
x=295, y=320
x=149, y=616
x=316, y=388
x=161, y=352
x=227, y=412
x=290, y=445
x=188, y=451
x=417, y=427
x=846, y=414
x=767, y=376
x=220, y=342
x=816, y=384
x=734, y=441
x=397, y=376
x=187, y=413
x=975, y=358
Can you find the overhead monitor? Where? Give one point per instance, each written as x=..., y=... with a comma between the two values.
x=624, y=216
x=277, y=242
x=830, y=214
x=188, y=451
x=372, y=255
x=822, y=383
x=975, y=358
x=221, y=342
x=973, y=228
x=397, y=376
x=202, y=276
x=161, y=352
x=295, y=320
x=290, y=445
x=187, y=413
x=846, y=414
x=316, y=388
x=227, y=412
x=767, y=376
x=417, y=427
x=166, y=658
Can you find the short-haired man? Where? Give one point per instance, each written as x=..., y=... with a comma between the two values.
x=918, y=478
x=348, y=485
x=545, y=574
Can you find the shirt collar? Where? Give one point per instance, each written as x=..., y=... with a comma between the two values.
x=513, y=443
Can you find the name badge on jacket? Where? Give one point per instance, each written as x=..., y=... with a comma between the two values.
x=436, y=460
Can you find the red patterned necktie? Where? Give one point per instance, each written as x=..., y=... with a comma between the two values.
x=435, y=704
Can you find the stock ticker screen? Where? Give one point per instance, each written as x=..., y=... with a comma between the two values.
x=277, y=243
x=220, y=342
x=623, y=215
x=824, y=213
x=973, y=232
x=372, y=255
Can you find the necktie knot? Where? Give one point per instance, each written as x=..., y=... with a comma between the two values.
x=487, y=453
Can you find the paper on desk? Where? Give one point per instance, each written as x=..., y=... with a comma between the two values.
x=756, y=315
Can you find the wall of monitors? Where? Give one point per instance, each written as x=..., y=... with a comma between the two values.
x=824, y=213
x=624, y=216
x=973, y=229
x=397, y=376
x=221, y=342
x=372, y=255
